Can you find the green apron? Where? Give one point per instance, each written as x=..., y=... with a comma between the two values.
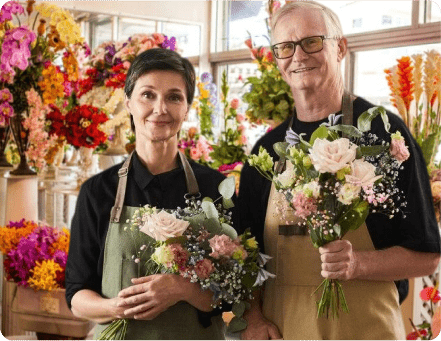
x=289, y=302
x=179, y=321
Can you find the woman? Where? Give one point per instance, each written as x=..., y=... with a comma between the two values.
x=102, y=281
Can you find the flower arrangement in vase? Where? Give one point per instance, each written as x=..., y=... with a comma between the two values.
x=269, y=99
x=6, y=112
x=195, y=146
x=27, y=53
x=206, y=104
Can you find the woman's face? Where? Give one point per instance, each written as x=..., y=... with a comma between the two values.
x=158, y=105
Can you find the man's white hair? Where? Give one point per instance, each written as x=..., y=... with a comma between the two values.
x=331, y=19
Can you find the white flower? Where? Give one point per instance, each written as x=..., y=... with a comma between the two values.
x=312, y=189
x=161, y=226
x=348, y=192
x=287, y=178
x=362, y=173
x=163, y=255
x=331, y=156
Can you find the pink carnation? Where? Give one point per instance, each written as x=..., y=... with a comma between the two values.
x=398, y=148
x=303, y=205
x=180, y=255
x=234, y=104
x=204, y=268
x=222, y=246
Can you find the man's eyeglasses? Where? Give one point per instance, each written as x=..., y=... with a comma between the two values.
x=288, y=48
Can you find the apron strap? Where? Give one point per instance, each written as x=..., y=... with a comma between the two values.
x=190, y=179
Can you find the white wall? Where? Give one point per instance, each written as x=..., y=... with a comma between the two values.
x=188, y=11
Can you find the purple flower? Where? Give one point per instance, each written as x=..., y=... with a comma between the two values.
x=6, y=110
x=5, y=95
x=60, y=257
x=9, y=8
x=17, y=223
x=5, y=15
x=206, y=77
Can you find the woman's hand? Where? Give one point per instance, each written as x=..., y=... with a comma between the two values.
x=149, y=296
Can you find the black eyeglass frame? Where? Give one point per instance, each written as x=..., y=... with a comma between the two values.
x=299, y=42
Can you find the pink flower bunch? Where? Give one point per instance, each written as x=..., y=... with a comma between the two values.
x=398, y=148
x=303, y=205
x=204, y=268
x=224, y=246
x=229, y=167
x=180, y=256
x=15, y=52
x=39, y=140
x=6, y=110
x=201, y=150
x=9, y=8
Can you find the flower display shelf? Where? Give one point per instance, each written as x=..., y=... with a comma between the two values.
x=47, y=313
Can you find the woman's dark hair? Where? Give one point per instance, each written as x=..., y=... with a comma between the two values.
x=160, y=59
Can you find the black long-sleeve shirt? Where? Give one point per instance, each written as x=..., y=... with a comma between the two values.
x=418, y=231
x=92, y=214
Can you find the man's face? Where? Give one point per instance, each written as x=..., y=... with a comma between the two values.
x=303, y=71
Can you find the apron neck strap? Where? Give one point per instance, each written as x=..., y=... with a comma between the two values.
x=190, y=179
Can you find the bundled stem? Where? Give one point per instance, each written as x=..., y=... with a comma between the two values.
x=332, y=299
x=115, y=331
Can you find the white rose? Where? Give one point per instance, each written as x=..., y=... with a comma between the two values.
x=161, y=226
x=163, y=255
x=287, y=178
x=347, y=193
x=362, y=173
x=331, y=156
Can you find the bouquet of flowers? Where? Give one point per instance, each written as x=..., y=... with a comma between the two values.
x=269, y=98
x=195, y=146
x=423, y=331
x=230, y=146
x=28, y=48
x=35, y=254
x=198, y=243
x=333, y=182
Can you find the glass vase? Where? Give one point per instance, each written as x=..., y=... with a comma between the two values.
x=85, y=165
x=21, y=139
x=4, y=138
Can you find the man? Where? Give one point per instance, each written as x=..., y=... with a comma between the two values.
x=309, y=47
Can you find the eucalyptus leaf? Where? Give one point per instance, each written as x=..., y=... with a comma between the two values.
x=229, y=231
x=196, y=220
x=354, y=218
x=238, y=308
x=280, y=148
x=213, y=226
x=372, y=150
x=209, y=209
x=227, y=187
x=236, y=325
x=227, y=203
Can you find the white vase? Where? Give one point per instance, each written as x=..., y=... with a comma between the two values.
x=117, y=145
x=74, y=158
x=85, y=164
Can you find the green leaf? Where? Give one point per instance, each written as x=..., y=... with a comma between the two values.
x=238, y=308
x=320, y=133
x=196, y=220
x=280, y=148
x=354, y=218
x=176, y=240
x=213, y=226
x=268, y=107
x=429, y=146
x=229, y=231
x=236, y=325
x=227, y=203
x=210, y=210
x=348, y=130
x=365, y=119
x=227, y=187
x=372, y=150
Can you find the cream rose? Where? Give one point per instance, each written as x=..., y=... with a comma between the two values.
x=287, y=178
x=348, y=193
x=161, y=226
x=362, y=173
x=331, y=156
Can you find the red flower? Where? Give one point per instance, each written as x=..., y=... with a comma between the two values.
x=430, y=294
x=414, y=335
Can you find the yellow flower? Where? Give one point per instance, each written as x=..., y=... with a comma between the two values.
x=62, y=243
x=251, y=243
x=44, y=274
x=11, y=236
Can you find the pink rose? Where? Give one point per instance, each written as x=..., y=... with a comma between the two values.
x=362, y=173
x=222, y=246
x=195, y=153
x=331, y=156
x=204, y=268
x=240, y=118
x=234, y=104
x=161, y=226
x=398, y=148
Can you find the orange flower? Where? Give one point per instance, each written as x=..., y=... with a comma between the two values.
x=30, y=6
x=405, y=74
x=55, y=40
x=41, y=30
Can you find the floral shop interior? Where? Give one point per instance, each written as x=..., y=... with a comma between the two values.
x=64, y=119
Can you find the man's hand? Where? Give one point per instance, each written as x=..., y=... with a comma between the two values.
x=339, y=261
x=259, y=328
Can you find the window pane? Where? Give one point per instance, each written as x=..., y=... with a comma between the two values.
x=128, y=27
x=188, y=37
x=370, y=79
x=102, y=32
x=435, y=11
x=364, y=16
x=240, y=20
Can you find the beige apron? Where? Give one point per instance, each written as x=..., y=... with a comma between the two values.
x=289, y=302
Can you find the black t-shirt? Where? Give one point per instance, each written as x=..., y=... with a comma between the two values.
x=96, y=198
x=418, y=231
